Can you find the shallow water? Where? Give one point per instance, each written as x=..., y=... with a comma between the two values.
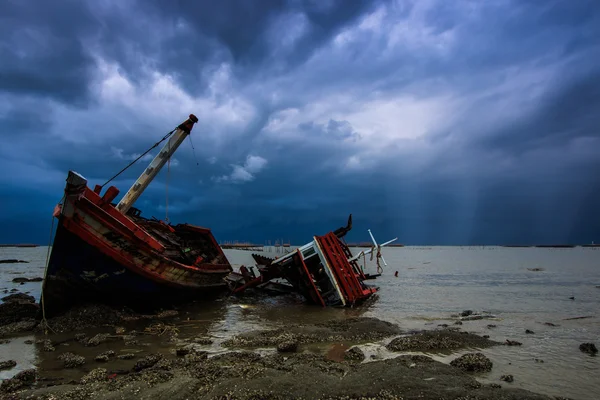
x=433, y=284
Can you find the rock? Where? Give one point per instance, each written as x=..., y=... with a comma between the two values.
x=550, y=324
x=443, y=325
x=7, y=364
x=15, y=297
x=81, y=337
x=512, y=343
x=486, y=336
x=29, y=341
x=490, y=326
x=287, y=346
x=472, y=318
x=96, y=340
x=354, y=354
x=146, y=362
x=119, y=330
x=167, y=314
x=507, y=378
x=535, y=269
x=17, y=311
x=130, y=340
x=203, y=340
x=127, y=356
x=28, y=375
x=182, y=351
x=466, y=313
x=439, y=340
x=16, y=327
x=458, y=323
x=4, y=341
x=537, y=360
x=18, y=381
x=495, y=386
x=472, y=362
x=589, y=348
x=104, y=357
x=47, y=346
x=529, y=332
x=95, y=375
x=23, y=279
x=13, y=261
x=71, y=360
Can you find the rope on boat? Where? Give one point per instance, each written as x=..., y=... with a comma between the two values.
x=167, y=187
x=193, y=150
x=377, y=257
x=43, y=303
x=141, y=155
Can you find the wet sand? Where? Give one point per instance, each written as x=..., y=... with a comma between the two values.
x=99, y=353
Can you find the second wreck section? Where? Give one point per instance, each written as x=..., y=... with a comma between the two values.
x=323, y=271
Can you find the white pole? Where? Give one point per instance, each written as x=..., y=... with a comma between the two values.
x=155, y=166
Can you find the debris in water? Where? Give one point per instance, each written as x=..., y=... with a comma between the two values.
x=324, y=271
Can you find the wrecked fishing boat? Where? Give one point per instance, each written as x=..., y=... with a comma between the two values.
x=110, y=253
x=324, y=271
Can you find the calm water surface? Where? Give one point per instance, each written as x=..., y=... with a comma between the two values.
x=433, y=284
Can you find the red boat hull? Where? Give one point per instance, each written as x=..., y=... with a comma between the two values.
x=102, y=255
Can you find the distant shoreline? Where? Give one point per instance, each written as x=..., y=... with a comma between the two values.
x=20, y=245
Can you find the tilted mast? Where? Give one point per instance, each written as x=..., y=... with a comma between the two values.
x=155, y=166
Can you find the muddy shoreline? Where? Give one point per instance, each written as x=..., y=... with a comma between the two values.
x=98, y=352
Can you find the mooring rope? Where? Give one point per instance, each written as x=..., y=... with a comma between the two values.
x=43, y=303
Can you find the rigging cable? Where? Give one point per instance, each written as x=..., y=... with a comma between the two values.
x=141, y=155
x=167, y=186
x=193, y=149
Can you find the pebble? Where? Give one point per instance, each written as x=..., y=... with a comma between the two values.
x=146, y=362
x=529, y=332
x=354, y=354
x=507, y=378
x=103, y=357
x=95, y=375
x=71, y=360
x=7, y=364
x=288, y=346
x=96, y=340
x=589, y=348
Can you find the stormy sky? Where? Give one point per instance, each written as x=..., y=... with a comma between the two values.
x=440, y=122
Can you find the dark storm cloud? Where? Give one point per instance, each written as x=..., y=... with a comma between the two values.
x=41, y=49
x=569, y=112
x=439, y=122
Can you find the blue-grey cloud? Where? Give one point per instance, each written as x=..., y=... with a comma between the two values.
x=439, y=122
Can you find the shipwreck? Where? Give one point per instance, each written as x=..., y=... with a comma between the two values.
x=109, y=253
x=324, y=271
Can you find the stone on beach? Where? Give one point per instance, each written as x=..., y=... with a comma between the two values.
x=71, y=360
x=472, y=362
x=589, y=348
x=7, y=364
x=354, y=354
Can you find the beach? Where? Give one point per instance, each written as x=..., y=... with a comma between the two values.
x=256, y=346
